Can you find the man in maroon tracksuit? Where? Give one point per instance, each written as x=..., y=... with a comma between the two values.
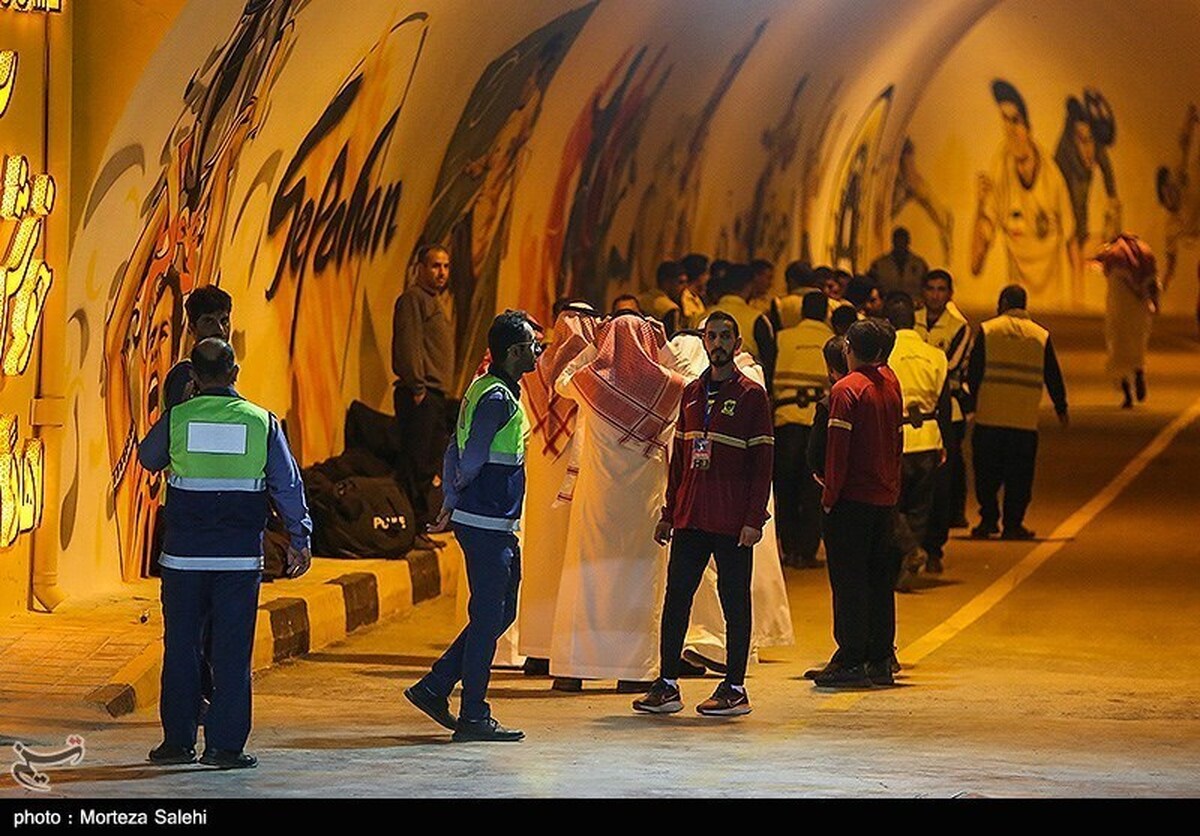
x=862, y=485
x=716, y=506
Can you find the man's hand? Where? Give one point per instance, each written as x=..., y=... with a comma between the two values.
x=418, y=396
x=442, y=523
x=1064, y=420
x=662, y=532
x=749, y=536
x=941, y=456
x=818, y=480
x=297, y=561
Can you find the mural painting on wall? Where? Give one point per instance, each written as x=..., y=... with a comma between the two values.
x=471, y=210
x=178, y=249
x=763, y=230
x=595, y=176
x=813, y=165
x=855, y=194
x=667, y=208
x=1089, y=131
x=1178, y=189
x=330, y=211
x=911, y=185
x=1024, y=200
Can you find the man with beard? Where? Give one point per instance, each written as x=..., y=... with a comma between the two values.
x=716, y=507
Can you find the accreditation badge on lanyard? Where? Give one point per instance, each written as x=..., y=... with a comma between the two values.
x=702, y=447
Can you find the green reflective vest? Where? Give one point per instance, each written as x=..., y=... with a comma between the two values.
x=508, y=445
x=219, y=443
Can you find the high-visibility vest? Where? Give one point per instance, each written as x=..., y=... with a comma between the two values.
x=1015, y=352
x=745, y=314
x=801, y=378
x=941, y=336
x=921, y=370
x=691, y=309
x=507, y=450
x=788, y=309
x=217, y=509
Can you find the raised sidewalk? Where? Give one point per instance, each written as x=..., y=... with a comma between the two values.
x=108, y=652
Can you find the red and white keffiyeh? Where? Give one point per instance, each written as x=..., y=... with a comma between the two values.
x=626, y=384
x=553, y=416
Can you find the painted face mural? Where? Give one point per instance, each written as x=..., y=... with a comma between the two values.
x=471, y=211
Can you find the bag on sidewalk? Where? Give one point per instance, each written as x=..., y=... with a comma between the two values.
x=359, y=517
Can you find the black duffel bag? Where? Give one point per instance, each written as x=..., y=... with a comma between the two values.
x=361, y=517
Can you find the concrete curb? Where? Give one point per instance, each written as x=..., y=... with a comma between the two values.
x=306, y=616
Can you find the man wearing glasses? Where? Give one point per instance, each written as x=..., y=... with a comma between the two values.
x=483, y=480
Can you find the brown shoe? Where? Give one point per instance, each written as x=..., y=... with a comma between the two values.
x=726, y=701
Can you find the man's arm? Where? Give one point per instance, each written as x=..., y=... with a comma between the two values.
x=837, y=444
x=817, y=440
x=1054, y=380
x=760, y=438
x=944, y=412
x=287, y=488
x=674, y=468
x=408, y=359
x=177, y=385
x=154, y=451
x=493, y=412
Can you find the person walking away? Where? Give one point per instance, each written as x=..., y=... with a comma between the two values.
x=1132, y=301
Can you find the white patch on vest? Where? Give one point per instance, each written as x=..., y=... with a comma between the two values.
x=216, y=438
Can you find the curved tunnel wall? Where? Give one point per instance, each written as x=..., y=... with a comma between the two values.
x=297, y=154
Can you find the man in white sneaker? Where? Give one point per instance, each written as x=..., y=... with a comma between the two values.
x=716, y=506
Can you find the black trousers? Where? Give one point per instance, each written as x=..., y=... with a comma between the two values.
x=690, y=551
x=424, y=434
x=949, y=493
x=862, y=575
x=1004, y=458
x=228, y=603
x=797, y=495
x=917, y=474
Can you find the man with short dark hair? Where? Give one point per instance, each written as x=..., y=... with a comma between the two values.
x=715, y=508
x=862, y=485
x=762, y=277
x=484, y=487
x=691, y=298
x=209, y=309
x=798, y=382
x=228, y=458
x=626, y=303
x=921, y=370
x=863, y=293
x=424, y=364
x=663, y=303
x=900, y=269
x=944, y=327
x=1011, y=360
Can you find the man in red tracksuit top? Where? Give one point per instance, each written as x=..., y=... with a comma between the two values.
x=862, y=485
x=716, y=506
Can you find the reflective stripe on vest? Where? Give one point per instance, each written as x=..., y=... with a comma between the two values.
x=220, y=438
x=508, y=445
x=921, y=370
x=186, y=483
x=484, y=522
x=801, y=378
x=208, y=563
x=1015, y=353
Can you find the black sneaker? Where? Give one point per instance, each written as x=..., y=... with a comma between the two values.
x=687, y=670
x=1017, y=532
x=844, y=678
x=726, y=701
x=435, y=707
x=880, y=673
x=697, y=658
x=830, y=667
x=984, y=530
x=485, y=731
x=536, y=667
x=167, y=754
x=660, y=699
x=226, y=759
